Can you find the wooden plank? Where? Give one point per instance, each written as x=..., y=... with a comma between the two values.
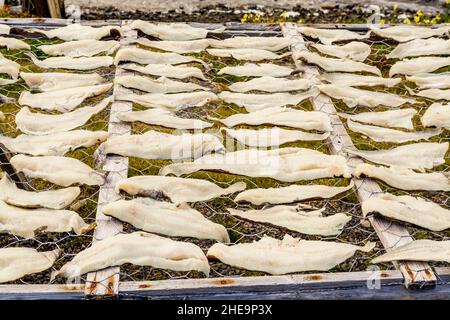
x=391, y=234
x=54, y=8
x=106, y=282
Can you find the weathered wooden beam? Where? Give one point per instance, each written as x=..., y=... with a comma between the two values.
x=391, y=234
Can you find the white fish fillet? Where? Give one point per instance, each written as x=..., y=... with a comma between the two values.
x=25, y=222
x=328, y=36
x=159, y=145
x=62, y=100
x=143, y=56
x=166, y=219
x=405, y=179
x=4, y=29
x=256, y=102
x=160, y=85
x=281, y=116
x=419, y=65
x=272, y=136
x=178, y=190
x=173, y=31
x=161, y=117
x=52, y=199
x=419, y=156
x=271, y=84
x=170, y=101
x=354, y=50
x=401, y=118
x=77, y=31
x=139, y=248
x=175, y=46
x=55, y=144
x=263, y=43
x=380, y=134
x=413, y=210
x=354, y=97
x=356, y=80
x=247, y=54
x=82, y=63
x=9, y=67
x=13, y=44
x=257, y=70
x=5, y=82
x=286, y=164
x=285, y=256
x=418, y=250
x=292, y=218
x=421, y=47
x=18, y=262
x=52, y=81
x=80, y=48
x=406, y=33
x=289, y=194
x=437, y=115
x=166, y=70
x=435, y=94
x=332, y=64
x=42, y=124
x=62, y=171
x=431, y=80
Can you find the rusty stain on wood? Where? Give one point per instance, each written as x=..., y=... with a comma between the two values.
x=224, y=282
x=314, y=277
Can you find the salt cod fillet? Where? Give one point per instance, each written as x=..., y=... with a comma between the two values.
x=292, y=218
x=139, y=248
x=62, y=100
x=160, y=85
x=289, y=194
x=257, y=70
x=166, y=219
x=420, y=212
x=58, y=170
x=271, y=84
x=143, y=56
x=82, y=63
x=405, y=179
x=52, y=81
x=401, y=118
x=173, y=101
x=166, y=70
x=175, y=46
x=25, y=222
x=285, y=256
x=173, y=31
x=380, y=134
x=333, y=65
x=418, y=250
x=419, y=65
x=9, y=67
x=408, y=33
x=77, y=31
x=328, y=36
x=13, y=44
x=43, y=124
x=437, y=115
x=421, y=47
x=418, y=156
x=286, y=164
x=431, y=80
x=19, y=261
x=55, y=144
x=365, y=98
x=81, y=48
x=159, y=145
x=52, y=199
x=354, y=50
x=4, y=29
x=262, y=43
x=272, y=136
x=247, y=54
x=356, y=80
x=435, y=94
x=256, y=102
x=281, y=116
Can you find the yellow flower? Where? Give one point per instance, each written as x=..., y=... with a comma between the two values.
x=382, y=21
x=416, y=19
x=396, y=6
x=244, y=18
x=420, y=13
x=407, y=21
